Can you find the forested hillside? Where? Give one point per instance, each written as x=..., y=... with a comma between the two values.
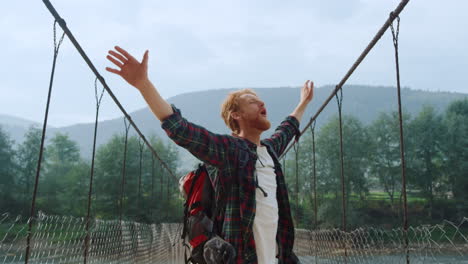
x=363, y=102
x=436, y=155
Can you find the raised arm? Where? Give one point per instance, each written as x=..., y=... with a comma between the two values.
x=206, y=146
x=211, y=148
x=136, y=74
x=307, y=94
x=289, y=128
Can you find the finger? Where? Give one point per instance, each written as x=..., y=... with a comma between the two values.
x=306, y=84
x=113, y=70
x=311, y=91
x=118, y=56
x=116, y=62
x=145, y=59
x=124, y=52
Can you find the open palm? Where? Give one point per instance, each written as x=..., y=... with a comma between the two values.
x=130, y=69
x=307, y=92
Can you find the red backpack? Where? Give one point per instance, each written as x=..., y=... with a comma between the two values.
x=199, y=211
x=204, y=213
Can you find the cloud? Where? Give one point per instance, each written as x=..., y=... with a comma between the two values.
x=208, y=44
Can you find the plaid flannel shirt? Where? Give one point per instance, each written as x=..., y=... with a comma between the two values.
x=235, y=160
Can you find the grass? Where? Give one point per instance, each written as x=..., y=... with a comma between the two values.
x=381, y=196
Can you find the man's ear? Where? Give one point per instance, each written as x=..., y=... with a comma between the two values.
x=235, y=115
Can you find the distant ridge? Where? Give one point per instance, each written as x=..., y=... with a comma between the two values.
x=16, y=127
x=16, y=121
x=203, y=108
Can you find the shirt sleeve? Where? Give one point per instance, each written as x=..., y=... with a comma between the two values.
x=208, y=147
x=283, y=134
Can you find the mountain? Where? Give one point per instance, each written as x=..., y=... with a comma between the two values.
x=16, y=127
x=203, y=108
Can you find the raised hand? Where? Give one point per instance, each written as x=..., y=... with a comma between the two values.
x=307, y=92
x=130, y=69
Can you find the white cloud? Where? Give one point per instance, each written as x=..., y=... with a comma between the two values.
x=197, y=45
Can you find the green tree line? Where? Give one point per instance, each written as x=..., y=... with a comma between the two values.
x=436, y=168
x=436, y=155
x=148, y=191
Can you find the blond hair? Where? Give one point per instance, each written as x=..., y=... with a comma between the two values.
x=230, y=105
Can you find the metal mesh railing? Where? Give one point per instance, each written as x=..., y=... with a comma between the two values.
x=60, y=239
x=442, y=243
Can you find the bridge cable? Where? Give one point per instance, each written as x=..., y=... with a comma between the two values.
x=339, y=101
x=141, y=146
x=122, y=184
x=296, y=152
x=124, y=166
x=167, y=196
x=101, y=79
x=312, y=130
x=41, y=150
x=98, y=98
x=314, y=180
x=152, y=188
x=395, y=35
x=356, y=64
x=161, y=183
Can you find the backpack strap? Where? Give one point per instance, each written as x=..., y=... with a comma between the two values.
x=186, y=206
x=270, y=147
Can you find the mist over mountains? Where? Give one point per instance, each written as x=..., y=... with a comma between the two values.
x=203, y=108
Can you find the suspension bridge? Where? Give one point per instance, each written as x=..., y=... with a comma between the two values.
x=43, y=238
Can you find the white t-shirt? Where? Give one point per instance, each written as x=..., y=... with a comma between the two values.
x=265, y=223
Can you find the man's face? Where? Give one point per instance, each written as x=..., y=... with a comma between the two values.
x=252, y=112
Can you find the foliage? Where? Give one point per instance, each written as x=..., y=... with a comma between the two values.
x=28, y=155
x=146, y=191
x=455, y=151
x=385, y=154
x=8, y=184
x=436, y=154
x=425, y=157
x=436, y=148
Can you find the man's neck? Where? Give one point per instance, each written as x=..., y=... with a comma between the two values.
x=252, y=136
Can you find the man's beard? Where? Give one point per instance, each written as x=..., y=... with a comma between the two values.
x=261, y=123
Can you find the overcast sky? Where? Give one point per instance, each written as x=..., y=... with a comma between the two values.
x=200, y=45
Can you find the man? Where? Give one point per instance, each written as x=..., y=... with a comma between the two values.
x=257, y=219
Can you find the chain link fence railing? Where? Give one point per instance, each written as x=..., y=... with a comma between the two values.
x=443, y=243
x=61, y=239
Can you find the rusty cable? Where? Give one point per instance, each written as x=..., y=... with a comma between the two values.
x=41, y=150
x=98, y=98
x=339, y=101
x=395, y=35
x=363, y=55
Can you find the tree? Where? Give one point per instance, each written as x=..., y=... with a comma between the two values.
x=157, y=193
x=62, y=156
x=8, y=185
x=74, y=195
x=425, y=155
x=109, y=159
x=455, y=148
x=28, y=155
x=385, y=156
x=356, y=149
